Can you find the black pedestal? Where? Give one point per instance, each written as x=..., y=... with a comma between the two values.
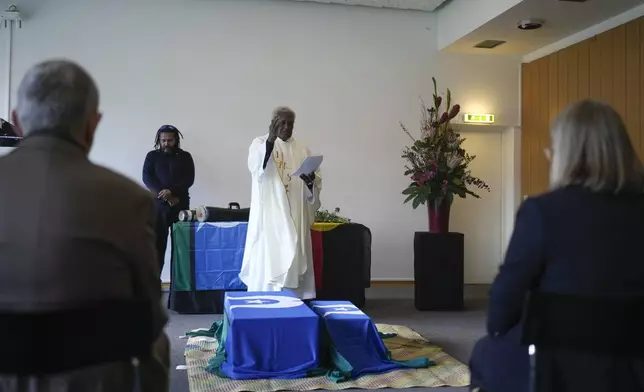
x=438, y=271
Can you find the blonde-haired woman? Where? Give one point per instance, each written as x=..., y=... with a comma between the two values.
x=584, y=238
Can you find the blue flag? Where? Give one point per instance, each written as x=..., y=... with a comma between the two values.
x=356, y=347
x=218, y=251
x=267, y=335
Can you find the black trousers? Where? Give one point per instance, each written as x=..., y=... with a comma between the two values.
x=166, y=217
x=501, y=364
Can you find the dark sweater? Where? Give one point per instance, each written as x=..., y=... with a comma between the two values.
x=175, y=172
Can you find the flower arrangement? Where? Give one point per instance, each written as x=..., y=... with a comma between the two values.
x=330, y=217
x=436, y=163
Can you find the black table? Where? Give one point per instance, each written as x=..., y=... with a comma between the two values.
x=341, y=252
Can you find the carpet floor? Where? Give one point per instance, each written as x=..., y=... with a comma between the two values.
x=455, y=332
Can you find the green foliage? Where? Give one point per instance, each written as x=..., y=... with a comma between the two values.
x=330, y=217
x=436, y=163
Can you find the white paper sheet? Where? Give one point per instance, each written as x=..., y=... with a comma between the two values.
x=309, y=165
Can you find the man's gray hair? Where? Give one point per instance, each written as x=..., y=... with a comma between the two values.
x=283, y=111
x=56, y=95
x=591, y=148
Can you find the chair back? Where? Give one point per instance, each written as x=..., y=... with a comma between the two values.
x=557, y=325
x=596, y=324
x=59, y=341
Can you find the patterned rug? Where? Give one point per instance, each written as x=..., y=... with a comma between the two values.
x=406, y=345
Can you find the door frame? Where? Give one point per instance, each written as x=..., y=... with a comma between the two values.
x=510, y=175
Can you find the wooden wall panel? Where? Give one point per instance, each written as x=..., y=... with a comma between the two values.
x=553, y=87
x=641, y=102
x=572, y=59
x=634, y=87
x=608, y=67
x=543, y=136
x=619, y=69
x=562, y=80
x=534, y=118
x=584, y=69
x=526, y=87
x=595, y=69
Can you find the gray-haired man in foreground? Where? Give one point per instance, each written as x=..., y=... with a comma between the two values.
x=77, y=252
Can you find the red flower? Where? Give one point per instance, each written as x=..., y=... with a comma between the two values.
x=443, y=118
x=422, y=178
x=454, y=112
x=444, y=187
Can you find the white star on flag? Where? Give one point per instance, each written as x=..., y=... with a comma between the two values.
x=342, y=309
x=255, y=301
x=266, y=302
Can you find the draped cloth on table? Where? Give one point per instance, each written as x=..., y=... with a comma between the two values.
x=278, y=253
x=355, y=347
x=266, y=336
x=317, y=239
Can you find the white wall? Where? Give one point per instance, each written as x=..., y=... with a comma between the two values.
x=480, y=219
x=511, y=173
x=4, y=44
x=216, y=69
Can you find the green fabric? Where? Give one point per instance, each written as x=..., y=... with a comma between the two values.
x=181, y=256
x=221, y=333
x=341, y=370
x=415, y=363
x=208, y=333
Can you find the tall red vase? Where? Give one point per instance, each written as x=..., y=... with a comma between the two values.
x=438, y=213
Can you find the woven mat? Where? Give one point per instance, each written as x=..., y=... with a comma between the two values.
x=408, y=344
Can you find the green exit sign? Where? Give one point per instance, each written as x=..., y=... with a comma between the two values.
x=479, y=118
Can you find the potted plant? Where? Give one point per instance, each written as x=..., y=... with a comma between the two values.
x=324, y=216
x=437, y=164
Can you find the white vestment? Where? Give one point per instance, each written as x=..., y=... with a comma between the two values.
x=278, y=254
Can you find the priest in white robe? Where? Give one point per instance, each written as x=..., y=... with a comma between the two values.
x=278, y=254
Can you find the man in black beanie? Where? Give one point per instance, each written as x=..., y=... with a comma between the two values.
x=169, y=172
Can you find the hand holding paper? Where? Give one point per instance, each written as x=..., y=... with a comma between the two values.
x=310, y=165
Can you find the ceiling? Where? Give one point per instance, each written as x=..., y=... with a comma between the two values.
x=417, y=5
x=561, y=19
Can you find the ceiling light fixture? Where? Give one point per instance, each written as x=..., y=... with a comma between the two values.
x=530, y=24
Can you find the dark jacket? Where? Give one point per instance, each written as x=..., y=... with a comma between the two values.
x=569, y=241
x=175, y=172
x=72, y=234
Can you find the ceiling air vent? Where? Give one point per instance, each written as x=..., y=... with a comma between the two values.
x=489, y=44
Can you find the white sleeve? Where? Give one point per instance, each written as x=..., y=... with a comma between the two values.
x=256, y=154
